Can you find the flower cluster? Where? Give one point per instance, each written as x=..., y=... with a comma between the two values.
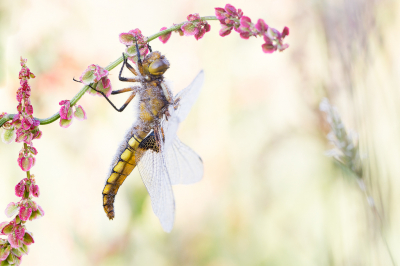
x=230, y=18
x=98, y=75
x=129, y=39
x=24, y=127
x=18, y=238
x=68, y=112
x=194, y=26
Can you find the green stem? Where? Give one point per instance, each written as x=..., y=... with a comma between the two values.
x=110, y=67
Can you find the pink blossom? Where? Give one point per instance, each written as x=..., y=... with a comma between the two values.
x=195, y=26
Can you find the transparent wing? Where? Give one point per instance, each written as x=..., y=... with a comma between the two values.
x=156, y=179
x=188, y=96
x=183, y=164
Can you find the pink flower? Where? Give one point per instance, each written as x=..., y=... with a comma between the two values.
x=99, y=75
x=195, y=26
x=164, y=38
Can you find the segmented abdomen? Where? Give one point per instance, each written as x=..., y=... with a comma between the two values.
x=123, y=167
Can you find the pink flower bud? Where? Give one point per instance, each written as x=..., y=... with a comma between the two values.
x=25, y=163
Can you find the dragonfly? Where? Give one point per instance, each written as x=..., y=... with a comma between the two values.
x=152, y=143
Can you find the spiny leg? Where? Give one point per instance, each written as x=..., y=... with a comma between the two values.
x=148, y=45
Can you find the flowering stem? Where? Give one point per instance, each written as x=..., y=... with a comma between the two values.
x=111, y=66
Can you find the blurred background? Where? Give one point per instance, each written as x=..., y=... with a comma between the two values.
x=269, y=195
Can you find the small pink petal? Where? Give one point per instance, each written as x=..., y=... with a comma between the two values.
x=245, y=35
x=261, y=26
x=8, y=229
x=2, y=225
x=220, y=13
x=29, y=109
x=65, y=122
x=34, y=190
x=268, y=48
x=225, y=30
x=38, y=135
x=207, y=27
x=88, y=76
x=25, y=163
x=127, y=38
x=20, y=188
x=285, y=32
x=28, y=239
x=19, y=232
x=14, y=241
x=189, y=29
x=245, y=22
x=193, y=17
x=24, y=213
x=164, y=38
x=230, y=9
x=200, y=34
x=8, y=135
x=4, y=252
x=11, y=209
x=80, y=114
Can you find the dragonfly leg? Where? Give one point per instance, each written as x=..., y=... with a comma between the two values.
x=130, y=68
x=132, y=89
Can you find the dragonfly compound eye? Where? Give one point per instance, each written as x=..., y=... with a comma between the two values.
x=158, y=67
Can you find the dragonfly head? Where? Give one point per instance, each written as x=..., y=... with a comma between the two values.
x=155, y=64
